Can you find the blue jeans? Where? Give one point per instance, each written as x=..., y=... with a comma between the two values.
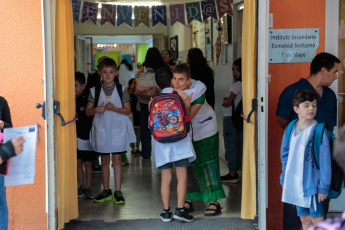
x=145, y=133
x=233, y=143
x=3, y=205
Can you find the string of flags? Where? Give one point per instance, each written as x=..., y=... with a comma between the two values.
x=119, y=14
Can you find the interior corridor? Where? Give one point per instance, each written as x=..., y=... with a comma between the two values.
x=141, y=189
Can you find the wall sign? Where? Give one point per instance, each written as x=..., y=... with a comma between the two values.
x=293, y=45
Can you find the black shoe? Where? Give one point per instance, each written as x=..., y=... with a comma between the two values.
x=182, y=215
x=231, y=179
x=135, y=152
x=166, y=216
x=105, y=195
x=96, y=170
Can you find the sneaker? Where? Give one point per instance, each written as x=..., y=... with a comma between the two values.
x=125, y=163
x=231, y=179
x=135, y=152
x=182, y=215
x=118, y=198
x=166, y=216
x=88, y=194
x=96, y=170
x=81, y=192
x=105, y=195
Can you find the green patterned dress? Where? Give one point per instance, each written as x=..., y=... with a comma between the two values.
x=203, y=176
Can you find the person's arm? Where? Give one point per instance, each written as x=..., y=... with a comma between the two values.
x=284, y=153
x=91, y=110
x=11, y=149
x=126, y=110
x=5, y=115
x=227, y=101
x=186, y=100
x=325, y=167
x=282, y=122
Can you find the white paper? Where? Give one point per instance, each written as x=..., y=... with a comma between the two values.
x=21, y=168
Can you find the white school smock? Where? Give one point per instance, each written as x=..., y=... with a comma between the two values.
x=183, y=149
x=293, y=182
x=111, y=132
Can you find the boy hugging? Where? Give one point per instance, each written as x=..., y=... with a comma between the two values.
x=304, y=184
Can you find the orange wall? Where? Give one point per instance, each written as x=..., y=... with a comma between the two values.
x=21, y=69
x=286, y=14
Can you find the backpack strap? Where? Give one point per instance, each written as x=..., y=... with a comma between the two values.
x=119, y=91
x=97, y=93
x=289, y=129
x=318, y=134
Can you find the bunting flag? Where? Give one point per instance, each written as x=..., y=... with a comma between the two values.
x=76, y=9
x=193, y=12
x=124, y=15
x=159, y=14
x=224, y=7
x=141, y=14
x=208, y=9
x=90, y=11
x=177, y=14
x=108, y=14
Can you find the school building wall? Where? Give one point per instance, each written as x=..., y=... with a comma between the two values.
x=286, y=14
x=21, y=70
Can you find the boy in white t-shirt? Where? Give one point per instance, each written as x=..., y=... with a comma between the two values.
x=178, y=154
x=232, y=131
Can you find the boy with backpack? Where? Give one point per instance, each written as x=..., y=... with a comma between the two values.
x=112, y=131
x=305, y=183
x=172, y=145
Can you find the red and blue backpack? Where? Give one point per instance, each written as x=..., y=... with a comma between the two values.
x=168, y=118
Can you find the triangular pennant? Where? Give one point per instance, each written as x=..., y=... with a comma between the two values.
x=124, y=15
x=193, y=12
x=89, y=12
x=76, y=9
x=208, y=9
x=108, y=14
x=177, y=14
x=141, y=14
x=159, y=14
x=224, y=7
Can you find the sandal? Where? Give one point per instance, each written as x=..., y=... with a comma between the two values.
x=190, y=209
x=215, y=211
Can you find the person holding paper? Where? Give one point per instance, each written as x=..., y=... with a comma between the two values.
x=8, y=150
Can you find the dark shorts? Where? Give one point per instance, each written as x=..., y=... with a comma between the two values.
x=179, y=163
x=116, y=153
x=86, y=155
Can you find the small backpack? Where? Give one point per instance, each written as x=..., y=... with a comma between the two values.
x=236, y=114
x=337, y=173
x=168, y=119
x=146, y=85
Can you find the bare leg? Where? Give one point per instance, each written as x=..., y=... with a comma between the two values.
x=166, y=175
x=80, y=173
x=117, y=171
x=181, y=174
x=105, y=159
x=212, y=207
x=88, y=173
x=316, y=220
x=306, y=222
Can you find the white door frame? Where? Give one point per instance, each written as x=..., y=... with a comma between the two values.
x=331, y=46
x=262, y=96
x=49, y=112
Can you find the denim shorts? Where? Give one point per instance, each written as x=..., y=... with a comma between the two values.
x=311, y=211
x=179, y=163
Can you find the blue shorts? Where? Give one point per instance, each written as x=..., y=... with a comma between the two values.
x=311, y=211
x=179, y=163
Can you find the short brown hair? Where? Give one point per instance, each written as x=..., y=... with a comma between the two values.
x=301, y=96
x=109, y=62
x=183, y=68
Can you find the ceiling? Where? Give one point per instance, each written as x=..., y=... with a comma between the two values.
x=141, y=2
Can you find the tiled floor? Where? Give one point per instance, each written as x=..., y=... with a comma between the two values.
x=141, y=189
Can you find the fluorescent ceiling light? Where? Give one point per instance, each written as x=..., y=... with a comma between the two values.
x=240, y=7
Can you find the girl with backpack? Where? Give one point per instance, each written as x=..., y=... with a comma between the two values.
x=233, y=126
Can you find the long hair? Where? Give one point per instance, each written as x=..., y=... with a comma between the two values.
x=153, y=59
x=128, y=66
